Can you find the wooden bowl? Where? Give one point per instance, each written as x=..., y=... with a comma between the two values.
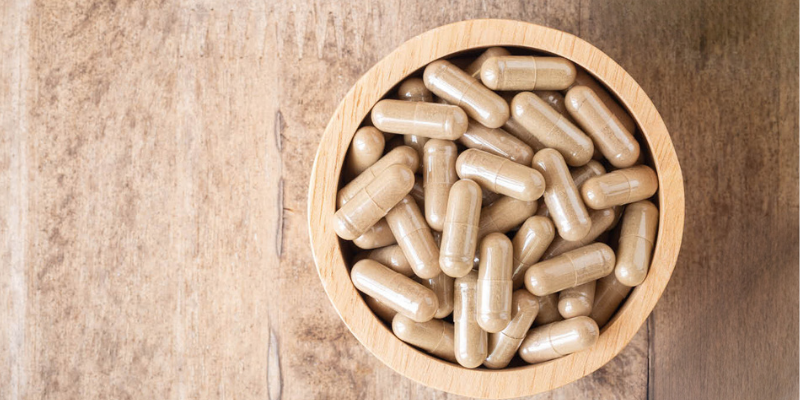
x=414, y=54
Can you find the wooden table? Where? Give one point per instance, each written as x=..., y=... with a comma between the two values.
x=154, y=169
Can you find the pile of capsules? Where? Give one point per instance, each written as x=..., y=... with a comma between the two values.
x=490, y=138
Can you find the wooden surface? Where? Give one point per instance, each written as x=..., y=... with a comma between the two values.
x=154, y=163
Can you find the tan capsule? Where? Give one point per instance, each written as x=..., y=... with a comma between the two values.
x=474, y=68
x=500, y=175
x=392, y=257
x=548, y=310
x=456, y=87
x=584, y=79
x=382, y=311
x=394, y=290
x=434, y=336
x=431, y=120
x=460, y=233
x=527, y=73
x=373, y=202
x=620, y=187
x=439, y=176
x=581, y=174
x=504, y=344
x=442, y=285
x=494, y=283
x=365, y=149
x=418, y=191
x=378, y=235
x=414, y=237
x=470, y=340
x=563, y=200
x=559, y=339
x=551, y=128
x=607, y=297
x=529, y=244
x=413, y=89
x=513, y=127
x=570, y=269
x=496, y=141
x=402, y=155
x=609, y=135
x=602, y=221
x=636, y=240
x=577, y=301
x=504, y=214
x=418, y=144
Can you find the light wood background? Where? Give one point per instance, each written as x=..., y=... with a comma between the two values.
x=154, y=163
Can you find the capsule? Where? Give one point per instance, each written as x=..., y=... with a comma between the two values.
x=474, y=68
x=414, y=237
x=373, y=202
x=439, y=176
x=504, y=344
x=529, y=244
x=394, y=290
x=435, y=336
x=378, y=235
x=457, y=87
x=561, y=196
x=548, y=310
x=581, y=174
x=392, y=257
x=460, y=233
x=500, y=175
x=442, y=285
x=620, y=187
x=418, y=144
x=602, y=221
x=431, y=120
x=504, y=214
x=382, y=311
x=570, y=269
x=496, y=141
x=577, y=301
x=551, y=128
x=527, y=73
x=470, y=340
x=559, y=339
x=636, y=240
x=402, y=155
x=365, y=149
x=556, y=100
x=584, y=79
x=413, y=89
x=607, y=297
x=494, y=283
x=609, y=135
x=513, y=127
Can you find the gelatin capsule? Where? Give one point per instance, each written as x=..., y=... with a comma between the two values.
x=504, y=344
x=496, y=141
x=431, y=120
x=608, y=295
x=392, y=257
x=602, y=221
x=494, y=283
x=474, y=68
x=456, y=87
x=418, y=144
x=529, y=244
x=527, y=73
x=577, y=301
x=435, y=336
x=504, y=214
x=570, y=269
x=548, y=310
x=500, y=175
x=584, y=79
x=460, y=233
x=378, y=235
x=439, y=176
x=413, y=89
x=402, y=155
x=559, y=339
x=636, y=240
x=516, y=129
x=581, y=174
x=394, y=290
x=563, y=200
x=471, y=342
x=382, y=311
x=365, y=149
x=442, y=285
x=620, y=187
x=414, y=237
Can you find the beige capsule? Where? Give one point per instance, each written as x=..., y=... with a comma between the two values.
x=504, y=344
x=496, y=141
x=394, y=290
x=435, y=336
x=527, y=73
x=373, y=202
x=442, y=285
x=608, y=295
x=456, y=87
x=513, y=127
x=365, y=149
x=504, y=214
x=431, y=120
x=636, y=240
x=602, y=221
x=474, y=68
x=413, y=89
x=581, y=174
x=577, y=301
x=559, y=339
x=418, y=144
x=570, y=269
x=529, y=244
x=494, y=283
x=584, y=79
x=471, y=344
x=500, y=175
x=392, y=257
x=551, y=128
x=563, y=200
x=415, y=238
x=620, y=187
x=382, y=311
x=439, y=175
x=548, y=310
x=376, y=236
x=402, y=155
x=609, y=135
x=460, y=232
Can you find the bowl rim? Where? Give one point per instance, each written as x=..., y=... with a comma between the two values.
x=408, y=58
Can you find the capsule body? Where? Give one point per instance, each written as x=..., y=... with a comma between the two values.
x=457, y=87
x=378, y=235
x=402, y=155
x=434, y=336
x=414, y=237
x=608, y=295
x=504, y=344
x=382, y=311
x=392, y=257
x=504, y=214
x=474, y=68
x=551, y=128
x=413, y=89
x=581, y=174
x=365, y=149
x=470, y=340
x=548, y=310
x=500, y=175
x=439, y=175
x=373, y=202
x=496, y=141
x=563, y=200
x=584, y=79
x=394, y=290
x=570, y=269
x=431, y=120
x=442, y=285
x=620, y=187
x=609, y=135
x=559, y=339
x=577, y=301
x=529, y=244
x=636, y=240
x=602, y=221
x=527, y=73
x=494, y=283
x=460, y=233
